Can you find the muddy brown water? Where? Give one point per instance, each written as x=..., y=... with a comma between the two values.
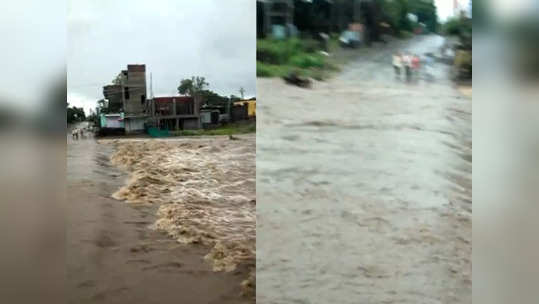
x=364, y=186
x=113, y=256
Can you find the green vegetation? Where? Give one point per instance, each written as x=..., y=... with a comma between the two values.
x=460, y=27
x=274, y=51
x=228, y=129
x=75, y=114
x=193, y=86
x=395, y=13
x=197, y=86
x=456, y=26
x=271, y=70
x=277, y=58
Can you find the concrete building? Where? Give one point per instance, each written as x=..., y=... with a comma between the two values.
x=128, y=110
x=175, y=113
x=127, y=98
x=272, y=13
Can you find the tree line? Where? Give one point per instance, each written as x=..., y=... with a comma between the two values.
x=198, y=86
x=74, y=114
x=378, y=16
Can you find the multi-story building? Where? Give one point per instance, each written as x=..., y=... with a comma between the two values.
x=127, y=104
x=129, y=110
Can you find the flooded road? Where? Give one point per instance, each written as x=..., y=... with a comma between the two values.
x=364, y=186
x=114, y=255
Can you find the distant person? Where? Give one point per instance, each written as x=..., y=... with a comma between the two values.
x=397, y=64
x=429, y=70
x=415, y=63
x=407, y=62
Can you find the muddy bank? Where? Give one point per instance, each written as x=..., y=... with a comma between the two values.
x=113, y=255
x=205, y=193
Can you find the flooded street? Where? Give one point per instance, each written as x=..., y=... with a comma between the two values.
x=115, y=254
x=364, y=186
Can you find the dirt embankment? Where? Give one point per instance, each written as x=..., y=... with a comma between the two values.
x=206, y=192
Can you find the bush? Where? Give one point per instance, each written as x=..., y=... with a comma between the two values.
x=276, y=58
x=310, y=45
x=280, y=51
x=263, y=70
x=270, y=70
x=457, y=27
x=307, y=61
x=277, y=51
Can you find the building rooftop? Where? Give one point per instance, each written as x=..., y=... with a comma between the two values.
x=136, y=67
x=170, y=98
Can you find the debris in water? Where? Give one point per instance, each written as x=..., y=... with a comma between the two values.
x=295, y=79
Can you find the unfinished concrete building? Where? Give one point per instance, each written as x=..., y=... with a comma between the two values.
x=175, y=112
x=126, y=96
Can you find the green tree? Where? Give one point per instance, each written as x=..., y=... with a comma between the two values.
x=395, y=13
x=213, y=99
x=425, y=12
x=75, y=114
x=193, y=86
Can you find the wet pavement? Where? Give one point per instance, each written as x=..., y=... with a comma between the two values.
x=112, y=254
x=364, y=186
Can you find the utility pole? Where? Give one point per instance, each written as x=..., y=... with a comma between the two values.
x=228, y=109
x=151, y=86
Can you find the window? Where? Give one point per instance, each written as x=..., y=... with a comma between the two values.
x=142, y=99
x=126, y=92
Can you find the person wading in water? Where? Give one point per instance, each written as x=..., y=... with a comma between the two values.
x=397, y=64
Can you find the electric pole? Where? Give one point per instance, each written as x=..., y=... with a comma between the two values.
x=242, y=91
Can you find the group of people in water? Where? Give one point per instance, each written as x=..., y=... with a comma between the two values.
x=407, y=64
x=77, y=133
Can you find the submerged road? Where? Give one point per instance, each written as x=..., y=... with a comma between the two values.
x=364, y=186
x=112, y=255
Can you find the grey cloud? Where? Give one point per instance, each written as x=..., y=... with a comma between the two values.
x=175, y=39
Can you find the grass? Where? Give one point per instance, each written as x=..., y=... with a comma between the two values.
x=272, y=70
x=277, y=58
x=228, y=129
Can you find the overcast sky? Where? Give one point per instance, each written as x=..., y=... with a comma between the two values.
x=444, y=8
x=176, y=39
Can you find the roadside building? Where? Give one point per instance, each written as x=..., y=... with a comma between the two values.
x=249, y=105
x=174, y=113
x=243, y=110
x=275, y=18
x=209, y=118
x=126, y=101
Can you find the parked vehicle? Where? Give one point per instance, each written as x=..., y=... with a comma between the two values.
x=350, y=39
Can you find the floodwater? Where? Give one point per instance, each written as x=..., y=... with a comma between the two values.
x=364, y=186
x=205, y=189
x=115, y=255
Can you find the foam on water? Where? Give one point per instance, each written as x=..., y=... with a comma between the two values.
x=206, y=190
